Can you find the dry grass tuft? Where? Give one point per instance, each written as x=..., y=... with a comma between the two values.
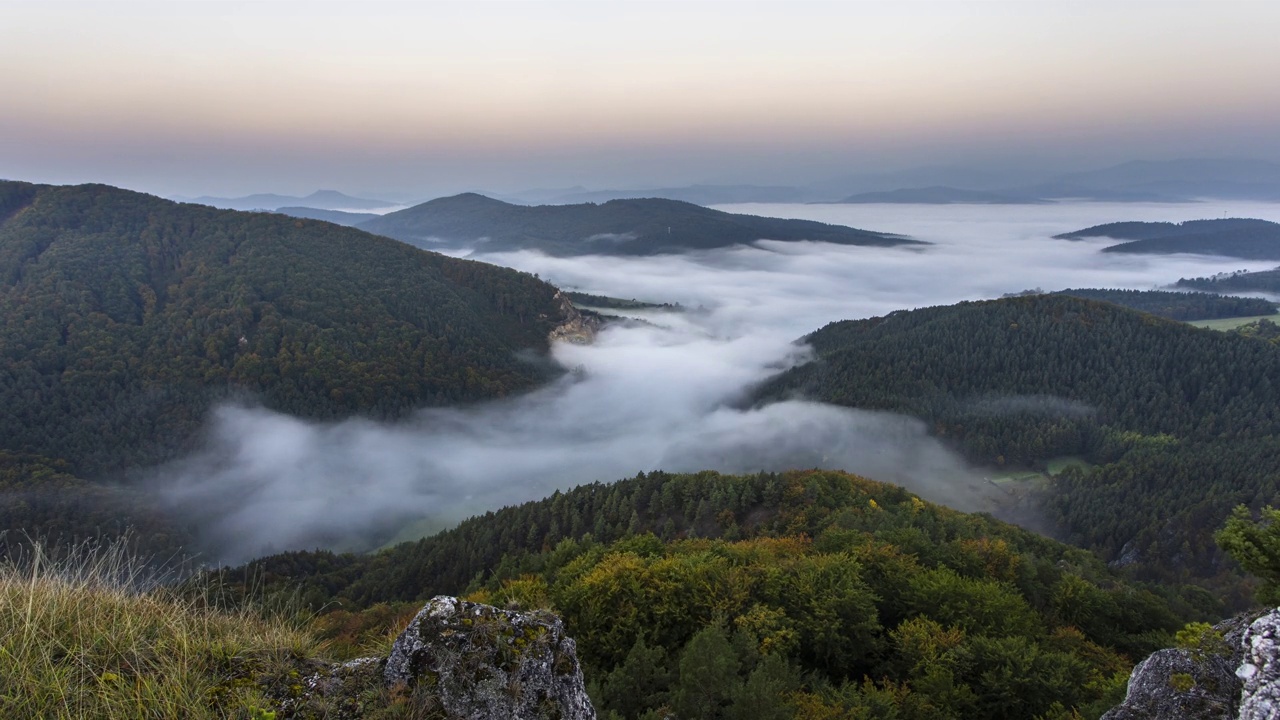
x=92, y=634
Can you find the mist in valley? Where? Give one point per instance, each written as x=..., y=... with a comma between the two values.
x=672, y=393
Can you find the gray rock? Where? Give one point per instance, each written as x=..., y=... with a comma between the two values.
x=480, y=662
x=1244, y=683
x=1260, y=669
x=1156, y=690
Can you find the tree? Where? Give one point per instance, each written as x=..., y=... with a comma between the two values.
x=1255, y=544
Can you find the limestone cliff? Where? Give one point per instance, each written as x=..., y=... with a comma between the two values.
x=575, y=326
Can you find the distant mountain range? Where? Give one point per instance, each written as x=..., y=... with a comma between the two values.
x=1244, y=238
x=940, y=195
x=1137, y=181
x=337, y=217
x=319, y=200
x=649, y=226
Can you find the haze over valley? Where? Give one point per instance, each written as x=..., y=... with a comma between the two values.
x=639, y=360
x=672, y=393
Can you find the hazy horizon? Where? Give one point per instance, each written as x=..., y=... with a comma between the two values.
x=410, y=101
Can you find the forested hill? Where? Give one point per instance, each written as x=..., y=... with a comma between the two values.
x=1231, y=237
x=1135, y=230
x=803, y=594
x=618, y=227
x=124, y=316
x=1178, y=305
x=1267, y=281
x=1182, y=423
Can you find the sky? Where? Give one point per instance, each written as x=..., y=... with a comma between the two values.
x=411, y=100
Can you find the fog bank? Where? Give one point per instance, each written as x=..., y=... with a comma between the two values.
x=668, y=395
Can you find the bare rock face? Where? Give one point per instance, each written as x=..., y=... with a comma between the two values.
x=575, y=327
x=480, y=662
x=1260, y=669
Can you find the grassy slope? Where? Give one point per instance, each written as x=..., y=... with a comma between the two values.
x=79, y=640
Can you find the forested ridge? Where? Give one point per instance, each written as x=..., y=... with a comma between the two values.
x=1261, y=281
x=1178, y=305
x=804, y=594
x=123, y=317
x=1134, y=230
x=1181, y=423
x=645, y=226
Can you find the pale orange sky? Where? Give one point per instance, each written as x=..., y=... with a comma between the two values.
x=237, y=97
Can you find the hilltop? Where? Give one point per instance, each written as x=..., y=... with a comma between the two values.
x=1244, y=238
x=799, y=594
x=124, y=317
x=1267, y=281
x=1178, y=424
x=648, y=226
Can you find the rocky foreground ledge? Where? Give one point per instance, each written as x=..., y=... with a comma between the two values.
x=456, y=660
x=1242, y=682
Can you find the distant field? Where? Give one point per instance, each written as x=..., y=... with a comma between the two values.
x=1057, y=465
x=1231, y=323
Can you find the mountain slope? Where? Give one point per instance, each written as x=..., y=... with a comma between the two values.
x=124, y=316
x=618, y=227
x=815, y=579
x=1181, y=423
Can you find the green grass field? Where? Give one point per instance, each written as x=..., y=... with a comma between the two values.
x=1232, y=323
x=1059, y=464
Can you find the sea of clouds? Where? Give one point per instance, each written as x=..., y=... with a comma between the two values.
x=666, y=395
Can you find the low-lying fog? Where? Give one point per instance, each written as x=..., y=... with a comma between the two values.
x=665, y=396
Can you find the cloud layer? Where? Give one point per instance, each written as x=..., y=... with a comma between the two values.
x=667, y=395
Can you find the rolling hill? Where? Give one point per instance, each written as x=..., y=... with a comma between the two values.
x=619, y=227
x=1181, y=424
x=1244, y=238
x=1267, y=281
x=817, y=588
x=124, y=317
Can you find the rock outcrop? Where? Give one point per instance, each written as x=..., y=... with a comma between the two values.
x=1260, y=670
x=482, y=662
x=1157, y=690
x=457, y=660
x=576, y=326
x=1242, y=683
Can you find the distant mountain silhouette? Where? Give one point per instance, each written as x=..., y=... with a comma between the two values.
x=337, y=217
x=320, y=200
x=647, y=226
x=939, y=195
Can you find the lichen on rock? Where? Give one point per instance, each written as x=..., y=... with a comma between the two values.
x=456, y=660
x=1260, y=669
x=482, y=662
